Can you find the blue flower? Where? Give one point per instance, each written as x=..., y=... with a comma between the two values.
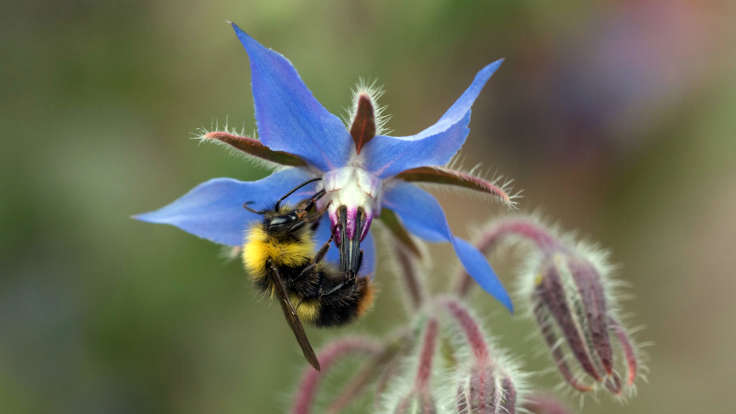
x=365, y=174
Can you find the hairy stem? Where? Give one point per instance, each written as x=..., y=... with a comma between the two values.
x=331, y=353
x=492, y=237
x=411, y=279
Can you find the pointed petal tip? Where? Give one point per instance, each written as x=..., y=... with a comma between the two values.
x=234, y=26
x=435, y=145
x=241, y=34
x=288, y=116
x=496, y=63
x=213, y=209
x=508, y=304
x=490, y=69
x=145, y=217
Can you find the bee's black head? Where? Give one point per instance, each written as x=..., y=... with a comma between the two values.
x=283, y=224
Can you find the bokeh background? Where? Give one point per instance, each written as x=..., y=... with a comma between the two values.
x=616, y=118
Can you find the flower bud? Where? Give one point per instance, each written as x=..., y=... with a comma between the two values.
x=568, y=290
x=488, y=382
x=573, y=305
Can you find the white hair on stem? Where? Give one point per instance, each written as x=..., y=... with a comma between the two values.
x=200, y=135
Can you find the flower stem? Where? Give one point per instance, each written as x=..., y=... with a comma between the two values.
x=334, y=351
x=370, y=370
x=523, y=227
x=472, y=331
x=410, y=277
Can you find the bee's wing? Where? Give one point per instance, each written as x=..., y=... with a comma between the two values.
x=293, y=320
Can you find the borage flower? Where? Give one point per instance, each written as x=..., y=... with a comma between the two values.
x=366, y=175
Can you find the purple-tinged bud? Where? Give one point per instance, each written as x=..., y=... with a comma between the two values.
x=569, y=293
x=488, y=381
x=570, y=300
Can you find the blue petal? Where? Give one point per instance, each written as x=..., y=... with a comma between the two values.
x=214, y=209
x=422, y=215
x=289, y=118
x=388, y=156
x=333, y=255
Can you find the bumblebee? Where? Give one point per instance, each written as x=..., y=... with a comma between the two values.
x=279, y=254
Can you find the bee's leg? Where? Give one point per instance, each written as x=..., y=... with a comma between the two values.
x=315, y=215
x=313, y=199
x=323, y=250
x=310, y=202
x=335, y=288
x=314, y=226
x=308, y=268
x=360, y=263
x=316, y=259
x=347, y=282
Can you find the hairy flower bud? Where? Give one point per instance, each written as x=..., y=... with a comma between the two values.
x=488, y=382
x=570, y=301
x=570, y=295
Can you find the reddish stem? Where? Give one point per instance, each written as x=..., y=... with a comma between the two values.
x=426, y=356
x=492, y=237
x=369, y=371
x=307, y=389
x=412, y=281
x=471, y=329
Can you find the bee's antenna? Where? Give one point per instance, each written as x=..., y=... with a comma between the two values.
x=278, y=203
x=245, y=206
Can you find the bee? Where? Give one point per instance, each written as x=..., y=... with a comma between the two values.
x=279, y=254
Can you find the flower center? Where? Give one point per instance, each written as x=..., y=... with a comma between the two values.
x=359, y=192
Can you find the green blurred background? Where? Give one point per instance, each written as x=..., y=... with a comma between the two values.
x=617, y=119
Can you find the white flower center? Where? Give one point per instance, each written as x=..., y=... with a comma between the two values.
x=354, y=188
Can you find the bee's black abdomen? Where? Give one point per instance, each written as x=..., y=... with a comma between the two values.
x=343, y=305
